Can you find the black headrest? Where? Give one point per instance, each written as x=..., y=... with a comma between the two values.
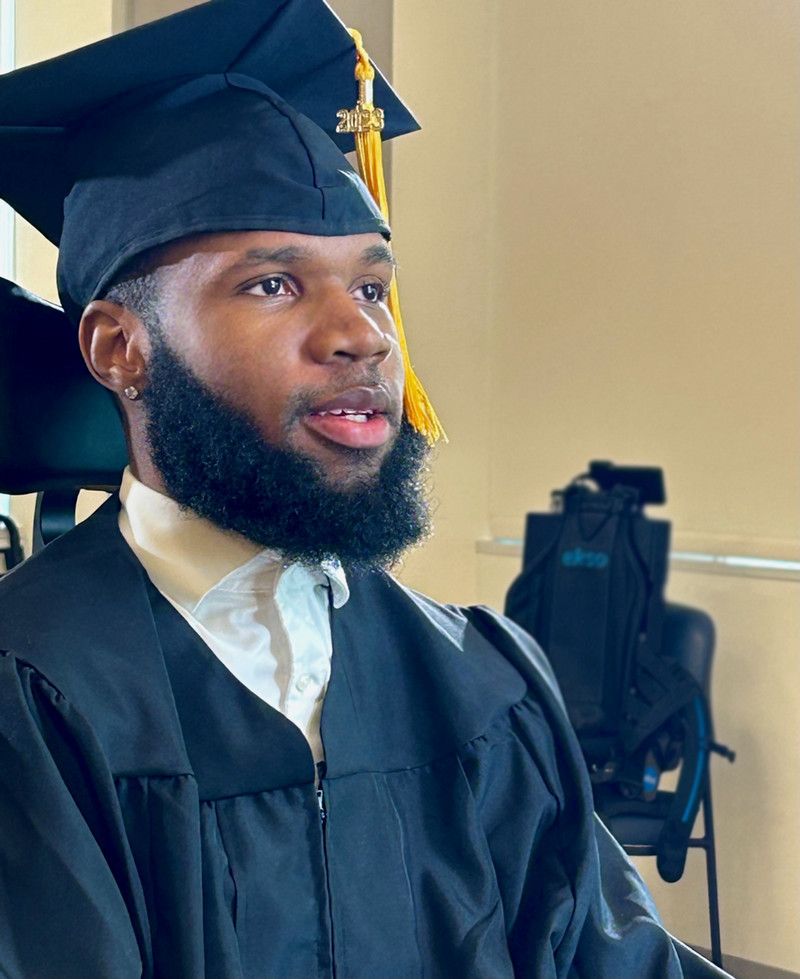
x=59, y=428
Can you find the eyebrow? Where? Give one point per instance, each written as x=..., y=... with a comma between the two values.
x=290, y=255
x=378, y=255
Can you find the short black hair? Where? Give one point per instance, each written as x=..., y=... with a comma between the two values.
x=138, y=287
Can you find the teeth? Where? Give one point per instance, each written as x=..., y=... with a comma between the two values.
x=353, y=415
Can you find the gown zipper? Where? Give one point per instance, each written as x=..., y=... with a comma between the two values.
x=323, y=821
x=323, y=815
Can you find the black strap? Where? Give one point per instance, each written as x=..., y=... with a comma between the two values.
x=661, y=688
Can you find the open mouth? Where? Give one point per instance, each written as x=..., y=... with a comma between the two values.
x=351, y=414
x=357, y=418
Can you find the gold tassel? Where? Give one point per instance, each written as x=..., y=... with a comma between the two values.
x=365, y=121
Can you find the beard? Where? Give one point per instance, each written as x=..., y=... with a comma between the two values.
x=214, y=462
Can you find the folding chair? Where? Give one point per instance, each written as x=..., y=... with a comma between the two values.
x=637, y=824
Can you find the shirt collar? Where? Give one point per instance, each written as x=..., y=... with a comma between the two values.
x=185, y=555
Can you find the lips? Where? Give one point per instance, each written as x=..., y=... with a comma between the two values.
x=356, y=418
x=361, y=400
x=351, y=414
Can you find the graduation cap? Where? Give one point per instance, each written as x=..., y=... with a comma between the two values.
x=222, y=117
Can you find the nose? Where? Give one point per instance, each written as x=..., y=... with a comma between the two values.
x=345, y=330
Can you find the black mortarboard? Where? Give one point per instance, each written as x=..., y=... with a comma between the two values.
x=208, y=120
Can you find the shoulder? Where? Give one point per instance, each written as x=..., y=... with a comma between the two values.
x=535, y=727
x=77, y=618
x=491, y=638
x=80, y=544
x=439, y=640
x=470, y=667
x=66, y=581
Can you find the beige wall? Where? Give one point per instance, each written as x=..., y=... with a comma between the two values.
x=598, y=237
x=647, y=252
x=609, y=191
x=46, y=28
x=442, y=218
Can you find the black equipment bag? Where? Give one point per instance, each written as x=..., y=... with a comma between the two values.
x=592, y=593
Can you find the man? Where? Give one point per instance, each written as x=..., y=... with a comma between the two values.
x=231, y=744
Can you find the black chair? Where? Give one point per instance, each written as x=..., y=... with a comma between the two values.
x=11, y=548
x=638, y=824
x=59, y=429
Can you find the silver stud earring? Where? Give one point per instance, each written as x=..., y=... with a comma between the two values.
x=132, y=393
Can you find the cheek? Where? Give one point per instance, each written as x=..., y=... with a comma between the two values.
x=260, y=388
x=255, y=382
x=394, y=369
x=247, y=366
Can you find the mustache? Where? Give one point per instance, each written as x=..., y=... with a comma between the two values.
x=303, y=402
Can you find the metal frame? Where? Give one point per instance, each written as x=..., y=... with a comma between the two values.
x=705, y=842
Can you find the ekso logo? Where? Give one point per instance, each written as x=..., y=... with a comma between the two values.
x=580, y=558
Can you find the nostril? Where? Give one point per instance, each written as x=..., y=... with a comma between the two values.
x=361, y=341
x=344, y=355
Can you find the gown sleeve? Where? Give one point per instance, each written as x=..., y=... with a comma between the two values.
x=621, y=932
x=65, y=907
x=596, y=917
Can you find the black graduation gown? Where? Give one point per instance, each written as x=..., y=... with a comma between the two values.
x=158, y=819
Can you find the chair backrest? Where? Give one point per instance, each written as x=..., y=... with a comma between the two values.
x=689, y=637
x=660, y=822
x=10, y=546
x=59, y=429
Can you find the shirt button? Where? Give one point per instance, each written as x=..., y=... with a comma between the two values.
x=303, y=682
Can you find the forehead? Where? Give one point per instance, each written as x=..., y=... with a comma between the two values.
x=234, y=250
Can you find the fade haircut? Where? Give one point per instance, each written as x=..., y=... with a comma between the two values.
x=138, y=288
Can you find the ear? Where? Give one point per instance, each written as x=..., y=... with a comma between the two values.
x=114, y=344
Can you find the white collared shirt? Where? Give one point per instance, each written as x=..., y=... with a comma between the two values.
x=267, y=622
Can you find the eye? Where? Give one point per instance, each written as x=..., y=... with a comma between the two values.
x=272, y=286
x=372, y=292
